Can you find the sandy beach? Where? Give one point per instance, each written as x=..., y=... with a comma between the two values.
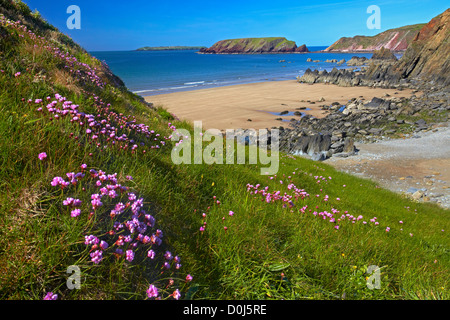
x=231, y=107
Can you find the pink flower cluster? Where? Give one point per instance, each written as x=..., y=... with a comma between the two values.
x=269, y=197
x=294, y=195
x=81, y=71
x=133, y=229
x=106, y=129
x=51, y=296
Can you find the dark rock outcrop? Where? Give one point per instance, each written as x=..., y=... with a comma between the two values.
x=383, y=54
x=428, y=56
x=302, y=48
x=359, y=120
x=357, y=61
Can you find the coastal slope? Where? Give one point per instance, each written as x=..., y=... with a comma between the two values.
x=396, y=39
x=255, y=45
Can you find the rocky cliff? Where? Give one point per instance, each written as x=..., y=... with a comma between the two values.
x=428, y=55
x=255, y=45
x=396, y=39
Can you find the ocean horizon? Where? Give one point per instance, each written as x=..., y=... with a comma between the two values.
x=148, y=73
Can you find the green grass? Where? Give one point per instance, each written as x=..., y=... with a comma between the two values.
x=267, y=251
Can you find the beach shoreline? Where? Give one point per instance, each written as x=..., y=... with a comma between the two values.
x=257, y=105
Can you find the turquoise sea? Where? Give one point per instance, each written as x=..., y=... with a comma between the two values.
x=157, y=72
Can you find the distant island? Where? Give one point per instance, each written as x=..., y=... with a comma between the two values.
x=255, y=45
x=164, y=48
x=396, y=39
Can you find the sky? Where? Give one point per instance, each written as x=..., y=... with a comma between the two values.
x=127, y=25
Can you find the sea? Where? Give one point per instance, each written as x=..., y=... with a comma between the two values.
x=148, y=73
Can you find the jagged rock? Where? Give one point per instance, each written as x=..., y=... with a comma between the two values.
x=319, y=156
x=302, y=48
x=357, y=61
x=375, y=131
x=383, y=54
x=377, y=103
x=349, y=145
x=428, y=55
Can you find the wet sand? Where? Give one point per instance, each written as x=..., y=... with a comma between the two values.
x=231, y=107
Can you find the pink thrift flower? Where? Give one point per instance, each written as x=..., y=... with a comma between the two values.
x=75, y=213
x=152, y=291
x=176, y=294
x=189, y=278
x=42, y=156
x=129, y=255
x=51, y=296
x=104, y=245
x=151, y=254
x=168, y=255
x=91, y=239
x=96, y=256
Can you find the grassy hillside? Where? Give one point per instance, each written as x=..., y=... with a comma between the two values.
x=87, y=180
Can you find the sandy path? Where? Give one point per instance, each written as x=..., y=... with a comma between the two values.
x=230, y=107
x=421, y=163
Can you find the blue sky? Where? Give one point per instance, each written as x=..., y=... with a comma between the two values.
x=128, y=25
